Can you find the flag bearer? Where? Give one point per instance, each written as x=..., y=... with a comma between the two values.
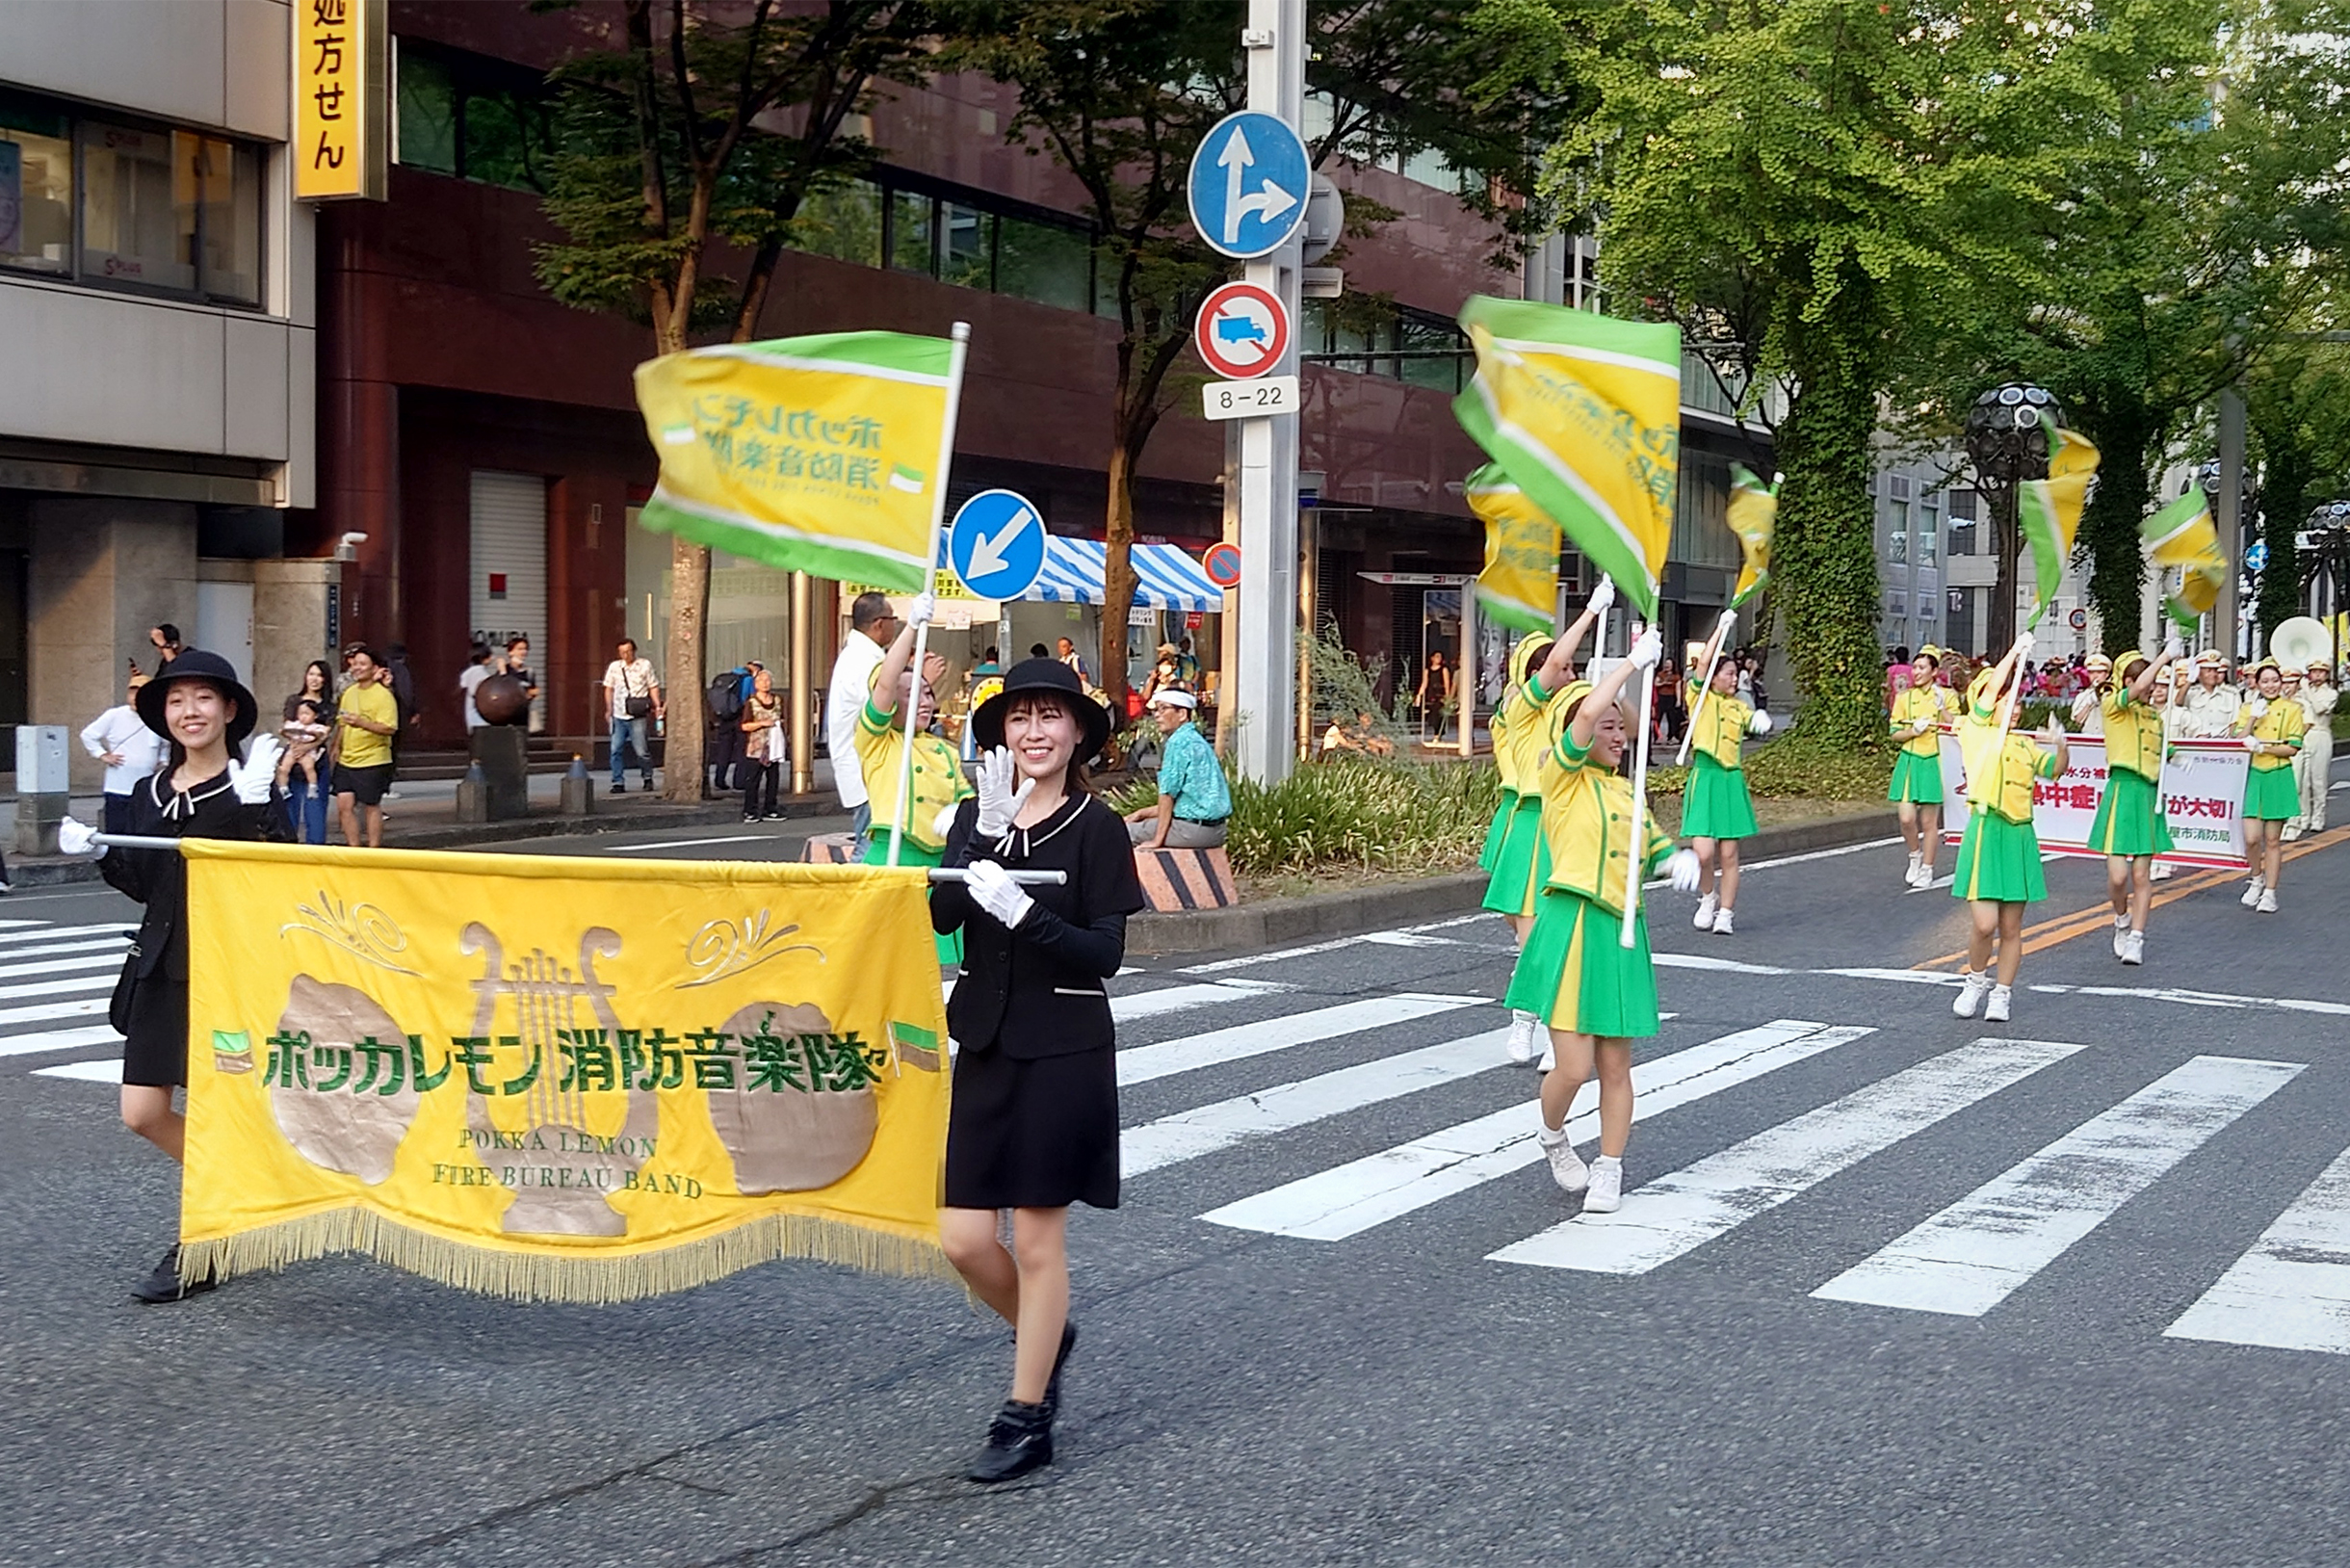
x=1997, y=871
x=1716, y=811
x=937, y=777
x=2129, y=827
x=1920, y=710
x=2273, y=730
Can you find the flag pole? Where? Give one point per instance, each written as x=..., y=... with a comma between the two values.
x=929, y=578
x=1633, y=859
x=1705, y=688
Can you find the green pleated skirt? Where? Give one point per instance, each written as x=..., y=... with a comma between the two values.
x=1576, y=973
x=2130, y=817
x=949, y=944
x=1916, y=781
x=1999, y=860
x=1521, y=861
x=2270, y=794
x=1715, y=804
x=1498, y=831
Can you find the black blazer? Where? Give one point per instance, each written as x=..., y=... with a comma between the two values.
x=1038, y=991
x=159, y=878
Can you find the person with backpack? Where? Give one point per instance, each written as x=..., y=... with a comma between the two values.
x=724, y=750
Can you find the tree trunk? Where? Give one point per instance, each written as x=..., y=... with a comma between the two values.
x=682, y=670
x=2110, y=528
x=1117, y=564
x=1825, y=551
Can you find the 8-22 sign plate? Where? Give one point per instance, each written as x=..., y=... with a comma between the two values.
x=1256, y=398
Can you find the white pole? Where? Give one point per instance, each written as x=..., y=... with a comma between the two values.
x=1705, y=688
x=930, y=566
x=1633, y=859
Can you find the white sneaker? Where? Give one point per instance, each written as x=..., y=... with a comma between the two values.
x=1521, y=1037
x=1549, y=1057
x=1606, y=1194
x=1995, y=1011
x=2292, y=831
x=2268, y=902
x=2253, y=891
x=1924, y=877
x=1910, y=877
x=1721, y=923
x=2120, y=935
x=1706, y=906
x=2162, y=871
x=2134, y=948
x=1566, y=1169
x=1971, y=989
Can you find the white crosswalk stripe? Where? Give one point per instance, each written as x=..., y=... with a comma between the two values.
x=59, y=1039
x=1143, y=1065
x=1975, y=1254
x=2291, y=1291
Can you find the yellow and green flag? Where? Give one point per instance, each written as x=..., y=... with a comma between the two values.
x=2049, y=511
x=1583, y=414
x=1519, y=586
x=1754, y=511
x=811, y=454
x=559, y=1078
x=2182, y=537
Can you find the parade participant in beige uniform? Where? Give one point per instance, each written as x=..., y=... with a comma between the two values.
x=2212, y=703
x=2088, y=707
x=2312, y=764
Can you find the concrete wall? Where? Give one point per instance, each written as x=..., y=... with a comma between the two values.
x=103, y=571
x=289, y=625
x=220, y=64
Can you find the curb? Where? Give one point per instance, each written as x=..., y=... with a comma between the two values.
x=1276, y=921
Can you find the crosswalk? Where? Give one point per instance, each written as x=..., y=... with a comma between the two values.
x=1345, y=1116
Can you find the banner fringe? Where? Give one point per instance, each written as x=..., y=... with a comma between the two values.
x=532, y=1276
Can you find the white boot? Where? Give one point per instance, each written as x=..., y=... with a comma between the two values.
x=1521, y=1037
x=2134, y=948
x=1566, y=1169
x=1971, y=989
x=1723, y=925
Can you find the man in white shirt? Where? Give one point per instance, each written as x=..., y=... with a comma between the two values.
x=476, y=672
x=131, y=751
x=2210, y=703
x=632, y=696
x=873, y=627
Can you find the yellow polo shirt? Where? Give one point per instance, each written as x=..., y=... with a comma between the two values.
x=364, y=749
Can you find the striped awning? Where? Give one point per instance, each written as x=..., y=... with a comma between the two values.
x=1165, y=577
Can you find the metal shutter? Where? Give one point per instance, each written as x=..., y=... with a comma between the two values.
x=508, y=585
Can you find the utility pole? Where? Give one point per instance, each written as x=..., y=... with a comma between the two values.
x=1264, y=692
x=2228, y=514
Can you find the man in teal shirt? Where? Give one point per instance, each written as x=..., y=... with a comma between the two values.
x=1193, y=798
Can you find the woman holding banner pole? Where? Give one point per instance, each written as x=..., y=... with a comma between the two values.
x=1997, y=871
x=1920, y=710
x=1034, y=1125
x=2128, y=825
x=2273, y=728
x=199, y=706
x=1716, y=811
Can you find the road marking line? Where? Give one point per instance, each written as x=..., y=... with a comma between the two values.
x=1976, y=1253
x=1724, y=966
x=59, y=966
x=2292, y=1291
x=1127, y=1009
x=692, y=844
x=108, y=1070
x=1675, y=1215
x=117, y=944
x=1348, y=1199
x=49, y=1011
x=62, y=987
x=1906, y=977
x=59, y=1039
x=1147, y=1063
x=47, y=932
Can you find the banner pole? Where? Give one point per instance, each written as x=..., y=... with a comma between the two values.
x=937, y=873
x=930, y=567
x=1633, y=857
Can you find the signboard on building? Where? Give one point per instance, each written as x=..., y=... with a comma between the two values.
x=342, y=78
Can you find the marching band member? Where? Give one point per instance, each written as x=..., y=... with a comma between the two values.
x=1920, y=709
x=2210, y=703
x=2313, y=763
x=2129, y=827
x=2169, y=700
x=1998, y=871
x=1595, y=995
x=1716, y=810
x=937, y=778
x=2273, y=731
x=2088, y=708
x=1543, y=683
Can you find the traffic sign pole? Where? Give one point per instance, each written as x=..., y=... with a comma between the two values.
x=1264, y=692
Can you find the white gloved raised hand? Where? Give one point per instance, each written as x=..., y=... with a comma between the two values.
x=1647, y=649
x=256, y=776
x=923, y=611
x=2173, y=648
x=993, y=890
x=1759, y=724
x=2055, y=732
x=999, y=802
x=1729, y=623
x=77, y=838
x=1682, y=870
x=2023, y=650
x=1602, y=596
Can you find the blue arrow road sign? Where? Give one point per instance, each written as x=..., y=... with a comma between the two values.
x=1249, y=184
x=996, y=544
x=2255, y=556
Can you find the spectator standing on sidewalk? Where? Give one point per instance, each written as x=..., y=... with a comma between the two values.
x=303, y=777
x=365, y=722
x=517, y=664
x=633, y=694
x=727, y=764
x=872, y=626
x=131, y=751
x=164, y=639
x=476, y=671
x=402, y=682
x=764, y=747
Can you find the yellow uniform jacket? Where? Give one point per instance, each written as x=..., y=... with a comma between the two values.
x=1586, y=826
x=2285, y=722
x=938, y=775
x=1919, y=705
x=1717, y=731
x=2133, y=735
x=2000, y=765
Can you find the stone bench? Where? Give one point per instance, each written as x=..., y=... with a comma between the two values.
x=832, y=848
x=1177, y=880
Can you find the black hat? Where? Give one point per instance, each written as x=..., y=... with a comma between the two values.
x=1044, y=675
x=197, y=665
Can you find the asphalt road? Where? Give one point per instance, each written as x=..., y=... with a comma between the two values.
x=1886, y=1287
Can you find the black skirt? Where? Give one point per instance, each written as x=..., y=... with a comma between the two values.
x=155, y=1046
x=1033, y=1134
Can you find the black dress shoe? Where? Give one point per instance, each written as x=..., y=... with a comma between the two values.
x=164, y=1283
x=1019, y=1439
x=1060, y=1359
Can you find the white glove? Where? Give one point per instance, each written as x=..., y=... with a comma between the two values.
x=1601, y=597
x=944, y=823
x=257, y=775
x=1759, y=724
x=77, y=838
x=999, y=802
x=2056, y=730
x=2024, y=652
x=2173, y=648
x=993, y=890
x=1647, y=649
x=923, y=611
x=1729, y=623
x=1682, y=870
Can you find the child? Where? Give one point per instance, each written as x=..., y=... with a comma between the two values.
x=2273, y=730
x=1595, y=995
x=937, y=777
x=1998, y=871
x=2129, y=827
x=1920, y=709
x=298, y=772
x=1716, y=809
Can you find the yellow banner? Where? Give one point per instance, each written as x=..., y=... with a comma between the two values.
x=1753, y=515
x=555, y=1077
x=1519, y=586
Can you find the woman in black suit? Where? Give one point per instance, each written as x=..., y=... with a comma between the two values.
x=1035, y=1120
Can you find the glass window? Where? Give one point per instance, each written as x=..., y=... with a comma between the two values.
x=1962, y=506
x=139, y=205
x=228, y=184
x=1424, y=334
x=1043, y=262
x=844, y=222
x=1929, y=537
x=909, y=232
x=426, y=136
x=36, y=192
x=1896, y=551
x=966, y=246
x=504, y=140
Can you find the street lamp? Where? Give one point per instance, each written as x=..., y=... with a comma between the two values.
x=2007, y=442
x=2328, y=538
x=2251, y=526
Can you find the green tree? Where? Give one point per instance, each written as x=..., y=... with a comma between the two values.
x=686, y=156
x=2298, y=399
